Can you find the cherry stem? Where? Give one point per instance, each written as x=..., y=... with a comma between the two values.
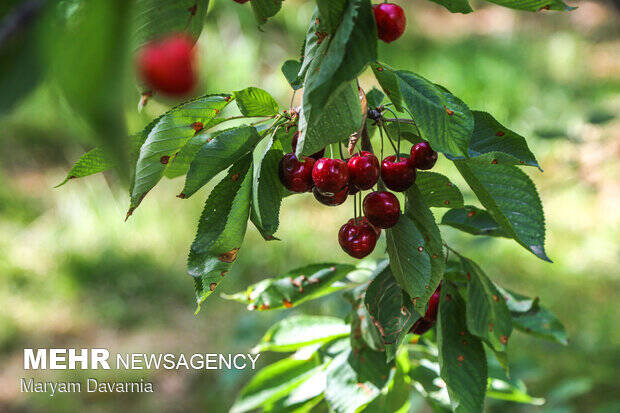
x=407, y=121
x=354, y=210
x=391, y=142
x=340, y=149
x=398, y=126
x=360, y=204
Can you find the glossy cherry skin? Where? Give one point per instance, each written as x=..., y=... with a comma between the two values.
x=397, y=175
x=296, y=176
x=391, y=21
x=425, y=323
x=363, y=170
x=168, y=65
x=330, y=176
x=331, y=200
x=358, y=240
x=423, y=156
x=316, y=156
x=382, y=209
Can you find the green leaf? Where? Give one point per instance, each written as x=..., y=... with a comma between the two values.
x=391, y=311
x=472, y=220
x=455, y=6
x=442, y=119
x=290, y=70
x=275, y=381
x=221, y=229
x=253, y=101
x=374, y=97
x=426, y=381
x=267, y=190
x=502, y=390
x=354, y=379
x=166, y=136
x=334, y=62
x=494, y=143
x=364, y=333
x=264, y=9
x=396, y=399
x=224, y=148
x=534, y=5
x=438, y=191
x=462, y=360
x=153, y=19
x=511, y=198
x=416, y=252
x=529, y=316
x=294, y=287
x=299, y=331
x=488, y=316
x=330, y=13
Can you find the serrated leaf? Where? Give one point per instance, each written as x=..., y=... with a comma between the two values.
x=330, y=13
x=224, y=148
x=511, y=198
x=354, y=379
x=299, y=331
x=442, y=119
x=472, y=220
x=294, y=287
x=267, y=190
x=391, y=311
x=364, y=333
x=335, y=61
x=488, y=316
x=264, y=9
x=221, y=229
x=494, y=143
x=530, y=317
x=153, y=19
x=290, y=70
x=253, y=101
x=438, y=191
x=166, y=136
x=455, y=6
x=462, y=360
x=534, y=5
x=275, y=381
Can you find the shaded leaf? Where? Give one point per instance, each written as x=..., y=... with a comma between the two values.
x=267, y=190
x=438, y=191
x=221, y=229
x=374, y=97
x=502, y=390
x=290, y=70
x=455, y=6
x=534, y=5
x=472, y=220
x=330, y=13
x=253, y=101
x=511, y=198
x=264, y=9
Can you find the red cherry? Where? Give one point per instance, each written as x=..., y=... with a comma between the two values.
x=363, y=170
x=317, y=155
x=296, y=176
x=423, y=156
x=331, y=200
x=382, y=209
x=397, y=175
x=330, y=176
x=358, y=239
x=167, y=65
x=422, y=325
x=391, y=21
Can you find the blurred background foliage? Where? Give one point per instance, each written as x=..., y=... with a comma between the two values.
x=73, y=274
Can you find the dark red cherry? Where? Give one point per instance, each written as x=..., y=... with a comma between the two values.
x=331, y=200
x=391, y=21
x=363, y=170
x=296, y=176
x=358, y=239
x=422, y=156
x=382, y=209
x=397, y=175
x=167, y=65
x=317, y=155
x=330, y=176
x=425, y=323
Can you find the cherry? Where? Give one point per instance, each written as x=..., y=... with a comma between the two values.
x=391, y=21
x=296, y=176
x=363, y=170
x=422, y=325
x=330, y=176
x=358, y=239
x=397, y=175
x=167, y=65
x=382, y=209
x=331, y=200
x=317, y=155
x=423, y=156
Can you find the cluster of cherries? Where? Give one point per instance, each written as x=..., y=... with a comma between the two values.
x=332, y=180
